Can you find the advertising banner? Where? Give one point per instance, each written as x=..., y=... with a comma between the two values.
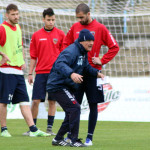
x=126, y=99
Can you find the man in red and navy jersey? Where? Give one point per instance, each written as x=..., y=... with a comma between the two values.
x=46, y=44
x=12, y=84
x=102, y=37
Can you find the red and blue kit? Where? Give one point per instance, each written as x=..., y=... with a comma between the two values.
x=45, y=47
x=102, y=37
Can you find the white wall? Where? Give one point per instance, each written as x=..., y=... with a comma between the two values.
x=133, y=103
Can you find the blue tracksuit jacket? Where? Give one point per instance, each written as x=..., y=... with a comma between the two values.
x=72, y=59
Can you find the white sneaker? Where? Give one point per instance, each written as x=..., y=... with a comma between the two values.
x=88, y=142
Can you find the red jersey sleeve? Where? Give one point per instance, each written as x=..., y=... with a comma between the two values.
x=108, y=40
x=2, y=35
x=33, y=51
x=62, y=41
x=69, y=38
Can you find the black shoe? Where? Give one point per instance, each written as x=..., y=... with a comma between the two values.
x=60, y=143
x=77, y=143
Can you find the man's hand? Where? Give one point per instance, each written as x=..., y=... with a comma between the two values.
x=100, y=75
x=4, y=59
x=23, y=66
x=96, y=61
x=30, y=79
x=77, y=78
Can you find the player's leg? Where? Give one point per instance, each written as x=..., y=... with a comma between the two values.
x=51, y=115
x=72, y=118
x=59, y=139
x=20, y=96
x=79, y=96
x=7, y=87
x=92, y=120
x=26, y=112
x=94, y=95
x=39, y=94
x=35, y=109
x=3, y=114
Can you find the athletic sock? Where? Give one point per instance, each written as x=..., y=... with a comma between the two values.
x=3, y=128
x=90, y=136
x=50, y=121
x=33, y=128
x=35, y=119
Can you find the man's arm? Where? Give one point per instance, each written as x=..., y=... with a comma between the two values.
x=62, y=41
x=24, y=65
x=4, y=58
x=33, y=56
x=69, y=38
x=2, y=42
x=112, y=45
x=31, y=68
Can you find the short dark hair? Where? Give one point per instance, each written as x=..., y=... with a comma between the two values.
x=48, y=11
x=82, y=8
x=11, y=7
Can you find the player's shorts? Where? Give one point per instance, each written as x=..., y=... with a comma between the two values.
x=39, y=87
x=93, y=93
x=12, y=89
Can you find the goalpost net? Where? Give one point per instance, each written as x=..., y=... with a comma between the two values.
x=127, y=20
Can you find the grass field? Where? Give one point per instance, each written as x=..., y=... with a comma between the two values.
x=108, y=136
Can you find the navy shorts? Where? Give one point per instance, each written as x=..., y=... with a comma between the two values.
x=12, y=89
x=39, y=87
x=93, y=93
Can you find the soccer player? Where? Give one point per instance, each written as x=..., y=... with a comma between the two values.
x=102, y=37
x=12, y=83
x=46, y=44
x=65, y=77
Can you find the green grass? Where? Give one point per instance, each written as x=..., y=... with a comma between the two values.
x=108, y=136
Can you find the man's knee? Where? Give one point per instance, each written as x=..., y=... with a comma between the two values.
x=3, y=105
x=76, y=109
x=52, y=103
x=35, y=103
x=24, y=103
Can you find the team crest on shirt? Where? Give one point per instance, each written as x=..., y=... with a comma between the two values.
x=55, y=40
x=93, y=33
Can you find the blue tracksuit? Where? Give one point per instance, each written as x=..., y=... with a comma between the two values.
x=61, y=87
